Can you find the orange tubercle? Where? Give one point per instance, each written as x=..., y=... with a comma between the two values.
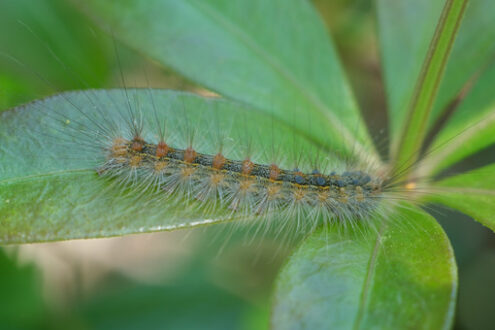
x=273, y=191
x=187, y=172
x=160, y=165
x=135, y=161
x=274, y=172
x=245, y=185
x=162, y=149
x=299, y=194
x=189, y=155
x=218, y=161
x=137, y=144
x=119, y=147
x=217, y=179
x=247, y=167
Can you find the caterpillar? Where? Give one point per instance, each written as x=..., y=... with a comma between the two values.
x=243, y=182
x=240, y=184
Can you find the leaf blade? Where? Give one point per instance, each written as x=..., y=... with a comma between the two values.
x=353, y=279
x=405, y=29
x=473, y=51
x=432, y=71
x=253, y=52
x=470, y=129
x=404, y=44
x=472, y=193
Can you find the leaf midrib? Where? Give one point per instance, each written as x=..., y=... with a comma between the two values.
x=367, y=284
x=479, y=191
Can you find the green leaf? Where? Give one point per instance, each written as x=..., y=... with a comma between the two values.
x=140, y=306
x=227, y=293
x=400, y=276
x=470, y=129
x=21, y=301
x=476, y=284
x=472, y=193
x=406, y=28
x=49, y=187
x=414, y=128
x=35, y=30
x=273, y=55
x=12, y=92
x=473, y=50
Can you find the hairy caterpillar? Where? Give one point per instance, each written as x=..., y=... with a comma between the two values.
x=241, y=184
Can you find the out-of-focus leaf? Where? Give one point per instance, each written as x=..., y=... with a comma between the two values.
x=12, y=91
x=34, y=29
x=187, y=305
x=476, y=289
x=206, y=289
x=405, y=150
x=470, y=129
x=21, y=303
x=406, y=28
x=472, y=193
x=474, y=49
x=273, y=55
x=401, y=276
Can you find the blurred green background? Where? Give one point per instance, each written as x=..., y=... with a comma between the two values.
x=204, y=278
